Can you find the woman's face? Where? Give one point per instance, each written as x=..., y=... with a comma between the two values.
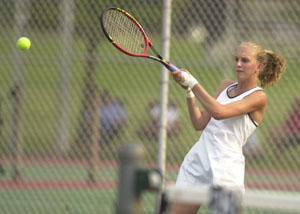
x=246, y=65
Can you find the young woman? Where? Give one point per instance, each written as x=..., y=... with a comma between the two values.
x=227, y=120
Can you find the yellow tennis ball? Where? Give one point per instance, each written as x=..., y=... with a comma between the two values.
x=23, y=43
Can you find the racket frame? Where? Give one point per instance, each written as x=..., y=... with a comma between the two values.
x=148, y=43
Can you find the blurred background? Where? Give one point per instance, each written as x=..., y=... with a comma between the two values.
x=72, y=100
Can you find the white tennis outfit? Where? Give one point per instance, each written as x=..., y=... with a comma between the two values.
x=217, y=159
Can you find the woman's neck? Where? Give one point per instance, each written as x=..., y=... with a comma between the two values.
x=245, y=86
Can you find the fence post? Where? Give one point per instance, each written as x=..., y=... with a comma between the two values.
x=17, y=130
x=93, y=153
x=164, y=88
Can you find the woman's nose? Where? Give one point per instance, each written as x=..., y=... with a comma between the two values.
x=238, y=63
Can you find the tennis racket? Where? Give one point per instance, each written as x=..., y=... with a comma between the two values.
x=126, y=34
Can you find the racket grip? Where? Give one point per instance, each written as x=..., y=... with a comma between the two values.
x=172, y=67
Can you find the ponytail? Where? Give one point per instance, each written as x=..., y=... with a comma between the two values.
x=274, y=68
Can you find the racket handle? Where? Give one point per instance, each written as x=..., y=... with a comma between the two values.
x=172, y=67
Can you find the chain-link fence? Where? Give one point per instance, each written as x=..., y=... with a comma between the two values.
x=69, y=102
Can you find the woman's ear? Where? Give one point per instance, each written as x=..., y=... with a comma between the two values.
x=261, y=67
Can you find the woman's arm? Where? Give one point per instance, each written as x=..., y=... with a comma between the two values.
x=254, y=103
x=201, y=118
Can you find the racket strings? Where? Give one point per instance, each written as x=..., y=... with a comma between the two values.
x=124, y=32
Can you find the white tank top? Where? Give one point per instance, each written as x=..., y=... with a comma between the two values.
x=234, y=130
x=217, y=158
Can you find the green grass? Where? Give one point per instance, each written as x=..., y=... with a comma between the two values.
x=135, y=81
x=130, y=79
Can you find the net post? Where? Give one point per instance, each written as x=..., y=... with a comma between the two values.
x=225, y=201
x=130, y=157
x=134, y=180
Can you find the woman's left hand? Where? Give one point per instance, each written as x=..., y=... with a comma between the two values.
x=184, y=78
x=178, y=77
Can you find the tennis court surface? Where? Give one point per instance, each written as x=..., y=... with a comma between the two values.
x=62, y=185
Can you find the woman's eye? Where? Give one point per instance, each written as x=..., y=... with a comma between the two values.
x=245, y=60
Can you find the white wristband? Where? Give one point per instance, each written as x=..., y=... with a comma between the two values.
x=189, y=93
x=188, y=80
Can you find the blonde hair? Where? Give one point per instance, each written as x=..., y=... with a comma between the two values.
x=274, y=64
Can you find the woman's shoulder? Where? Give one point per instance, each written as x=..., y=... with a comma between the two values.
x=224, y=84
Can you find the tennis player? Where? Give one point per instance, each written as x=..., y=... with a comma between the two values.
x=227, y=120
